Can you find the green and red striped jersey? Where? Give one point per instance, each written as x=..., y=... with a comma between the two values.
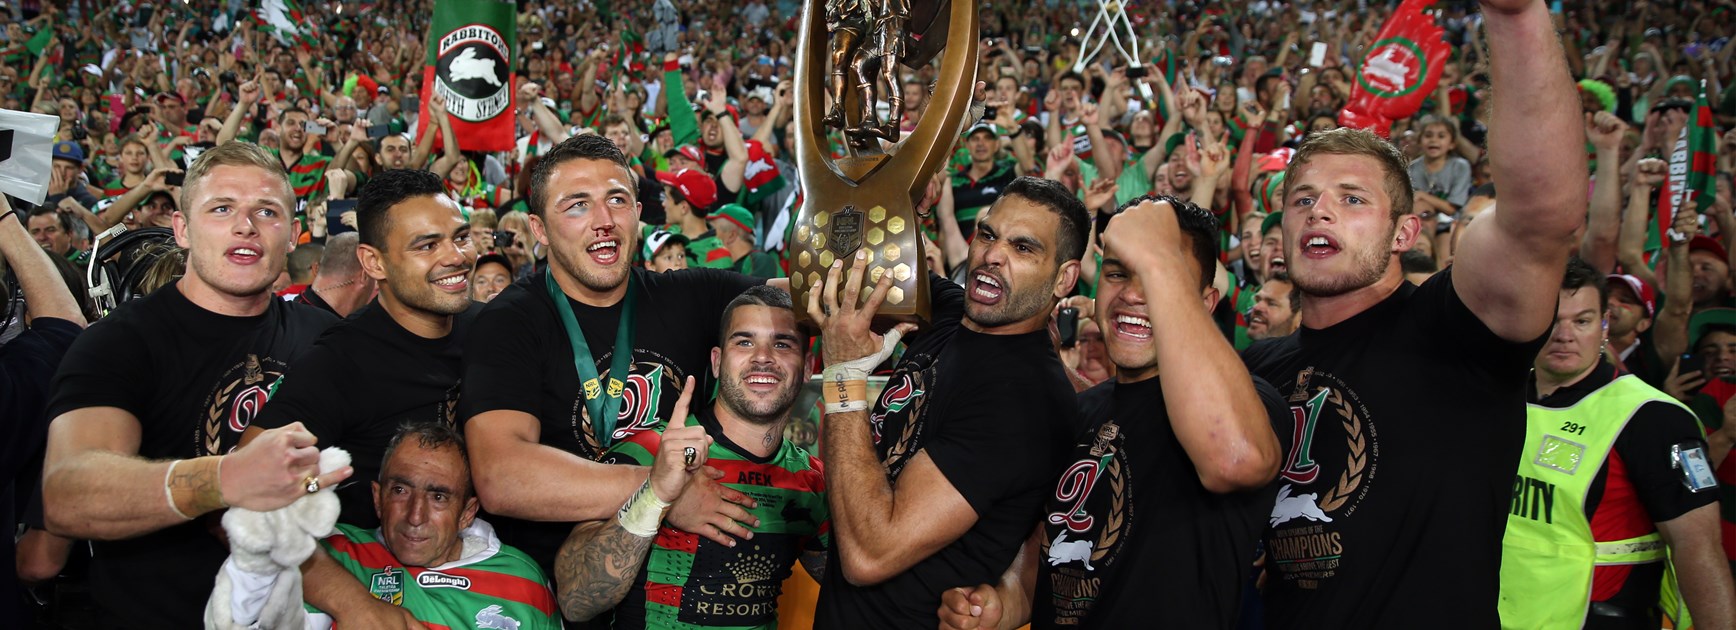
x=306, y=176
x=692, y=582
x=492, y=586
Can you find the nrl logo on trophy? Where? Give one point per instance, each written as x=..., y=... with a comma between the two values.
x=847, y=62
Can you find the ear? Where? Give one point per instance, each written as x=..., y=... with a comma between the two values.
x=1406, y=233
x=1210, y=296
x=377, y=500
x=180, y=225
x=373, y=262
x=471, y=506
x=538, y=229
x=716, y=359
x=1066, y=279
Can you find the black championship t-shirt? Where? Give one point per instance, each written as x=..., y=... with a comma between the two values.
x=518, y=358
x=361, y=381
x=1406, y=425
x=195, y=380
x=1130, y=536
x=995, y=413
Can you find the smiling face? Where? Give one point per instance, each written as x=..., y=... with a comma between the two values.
x=1271, y=315
x=1577, y=339
x=1125, y=317
x=425, y=262
x=236, y=229
x=589, y=223
x=1718, y=346
x=293, y=128
x=1339, y=231
x=1627, y=314
x=489, y=280
x=394, y=152
x=1014, y=276
x=424, y=501
x=759, y=366
x=1711, y=276
x=1436, y=141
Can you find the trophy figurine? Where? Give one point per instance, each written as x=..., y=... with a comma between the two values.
x=848, y=55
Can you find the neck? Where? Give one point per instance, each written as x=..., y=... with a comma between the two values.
x=1129, y=375
x=1436, y=162
x=760, y=439
x=1620, y=343
x=979, y=169
x=419, y=322
x=693, y=225
x=1548, y=383
x=1324, y=312
x=738, y=248
x=209, y=298
x=290, y=154
x=585, y=295
x=1021, y=327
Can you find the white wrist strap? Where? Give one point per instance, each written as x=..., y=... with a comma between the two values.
x=858, y=369
x=643, y=512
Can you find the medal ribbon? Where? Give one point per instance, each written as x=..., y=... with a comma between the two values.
x=604, y=407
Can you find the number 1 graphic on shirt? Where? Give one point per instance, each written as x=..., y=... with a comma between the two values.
x=1300, y=467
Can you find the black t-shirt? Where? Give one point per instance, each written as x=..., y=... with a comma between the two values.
x=1644, y=448
x=1131, y=501
x=361, y=381
x=995, y=413
x=195, y=380
x=518, y=358
x=1406, y=420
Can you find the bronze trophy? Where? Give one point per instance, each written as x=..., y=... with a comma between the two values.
x=849, y=53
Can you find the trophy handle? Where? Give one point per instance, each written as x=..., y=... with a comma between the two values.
x=959, y=64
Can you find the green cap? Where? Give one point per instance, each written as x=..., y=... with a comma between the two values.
x=736, y=214
x=1272, y=220
x=1712, y=317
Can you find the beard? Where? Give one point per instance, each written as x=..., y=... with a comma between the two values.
x=758, y=412
x=589, y=274
x=420, y=294
x=1019, y=304
x=234, y=281
x=1368, y=265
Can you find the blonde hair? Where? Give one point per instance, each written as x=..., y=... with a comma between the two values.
x=238, y=153
x=1347, y=141
x=484, y=218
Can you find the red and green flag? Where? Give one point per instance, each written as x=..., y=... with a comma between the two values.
x=470, y=63
x=1693, y=166
x=1400, y=70
x=283, y=20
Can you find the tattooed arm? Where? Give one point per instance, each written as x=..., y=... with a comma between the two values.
x=596, y=566
x=815, y=563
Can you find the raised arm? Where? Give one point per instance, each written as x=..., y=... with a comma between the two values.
x=1508, y=274
x=735, y=167
x=1630, y=244
x=880, y=531
x=1670, y=331
x=43, y=288
x=1217, y=415
x=1604, y=222
x=250, y=93
x=450, y=155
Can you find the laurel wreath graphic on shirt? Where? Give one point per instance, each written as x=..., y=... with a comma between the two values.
x=215, y=417
x=1355, y=461
x=1112, y=530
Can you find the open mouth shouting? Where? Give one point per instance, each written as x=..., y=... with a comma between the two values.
x=1132, y=327
x=986, y=289
x=242, y=254
x=1277, y=264
x=1318, y=246
x=604, y=252
x=761, y=382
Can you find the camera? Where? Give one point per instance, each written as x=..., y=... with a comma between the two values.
x=503, y=239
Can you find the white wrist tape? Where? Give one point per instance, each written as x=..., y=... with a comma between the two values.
x=643, y=512
x=854, y=405
x=858, y=369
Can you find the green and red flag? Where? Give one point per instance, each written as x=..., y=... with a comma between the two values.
x=470, y=63
x=1400, y=70
x=284, y=21
x=1693, y=166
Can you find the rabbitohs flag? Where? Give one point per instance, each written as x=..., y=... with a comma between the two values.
x=470, y=63
x=1693, y=166
x=1399, y=71
x=284, y=21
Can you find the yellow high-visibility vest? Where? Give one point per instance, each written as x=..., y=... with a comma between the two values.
x=1548, y=554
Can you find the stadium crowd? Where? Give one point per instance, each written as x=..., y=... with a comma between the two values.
x=568, y=375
